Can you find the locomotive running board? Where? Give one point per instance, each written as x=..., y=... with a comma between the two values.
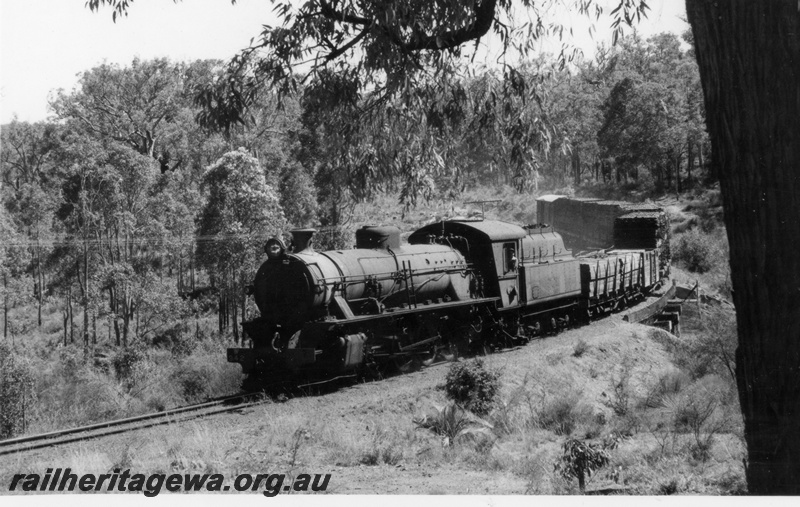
x=400, y=312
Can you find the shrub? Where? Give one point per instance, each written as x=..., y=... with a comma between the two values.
x=579, y=460
x=696, y=416
x=732, y=482
x=453, y=423
x=16, y=393
x=713, y=349
x=668, y=488
x=703, y=252
x=620, y=398
x=383, y=446
x=562, y=414
x=698, y=411
x=194, y=379
x=176, y=339
x=694, y=250
x=472, y=385
x=125, y=361
x=668, y=384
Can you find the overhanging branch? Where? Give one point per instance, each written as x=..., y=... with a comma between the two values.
x=484, y=16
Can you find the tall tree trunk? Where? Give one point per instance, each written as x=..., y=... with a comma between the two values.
x=668, y=171
x=243, y=295
x=700, y=162
x=191, y=265
x=85, y=298
x=126, y=317
x=234, y=312
x=71, y=316
x=222, y=310
x=39, y=275
x=66, y=323
x=117, y=332
x=749, y=58
x=689, y=162
x=576, y=166
x=113, y=317
x=180, y=272
x=5, y=305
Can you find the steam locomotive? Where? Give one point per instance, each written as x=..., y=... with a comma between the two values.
x=457, y=287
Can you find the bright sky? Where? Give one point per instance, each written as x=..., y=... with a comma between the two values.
x=45, y=44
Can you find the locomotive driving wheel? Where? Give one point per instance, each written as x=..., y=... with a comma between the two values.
x=428, y=357
x=452, y=353
x=406, y=364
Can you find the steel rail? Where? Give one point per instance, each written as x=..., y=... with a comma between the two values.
x=153, y=419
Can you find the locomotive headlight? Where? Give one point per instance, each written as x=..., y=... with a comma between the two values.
x=274, y=248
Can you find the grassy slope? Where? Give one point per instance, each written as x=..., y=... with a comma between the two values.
x=364, y=434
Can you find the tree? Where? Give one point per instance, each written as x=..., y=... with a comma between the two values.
x=749, y=59
x=374, y=53
x=298, y=195
x=13, y=258
x=652, y=118
x=16, y=392
x=579, y=460
x=133, y=106
x=27, y=151
x=27, y=164
x=87, y=184
x=241, y=213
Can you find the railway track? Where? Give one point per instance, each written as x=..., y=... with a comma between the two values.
x=117, y=426
x=175, y=415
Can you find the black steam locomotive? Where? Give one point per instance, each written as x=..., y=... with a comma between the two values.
x=459, y=286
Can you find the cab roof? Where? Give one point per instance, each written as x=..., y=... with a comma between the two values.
x=484, y=230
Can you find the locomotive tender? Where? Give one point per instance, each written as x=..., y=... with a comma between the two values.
x=458, y=286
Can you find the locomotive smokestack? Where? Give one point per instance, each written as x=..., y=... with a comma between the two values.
x=301, y=240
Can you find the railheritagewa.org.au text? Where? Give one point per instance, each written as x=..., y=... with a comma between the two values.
x=61, y=480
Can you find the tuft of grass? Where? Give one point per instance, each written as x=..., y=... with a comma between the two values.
x=454, y=424
x=580, y=348
x=89, y=461
x=668, y=488
x=621, y=393
x=668, y=384
x=382, y=447
x=562, y=414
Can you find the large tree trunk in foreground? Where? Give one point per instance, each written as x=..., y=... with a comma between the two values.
x=749, y=57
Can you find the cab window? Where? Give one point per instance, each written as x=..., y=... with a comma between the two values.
x=509, y=257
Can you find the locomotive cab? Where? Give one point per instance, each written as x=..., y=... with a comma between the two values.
x=521, y=266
